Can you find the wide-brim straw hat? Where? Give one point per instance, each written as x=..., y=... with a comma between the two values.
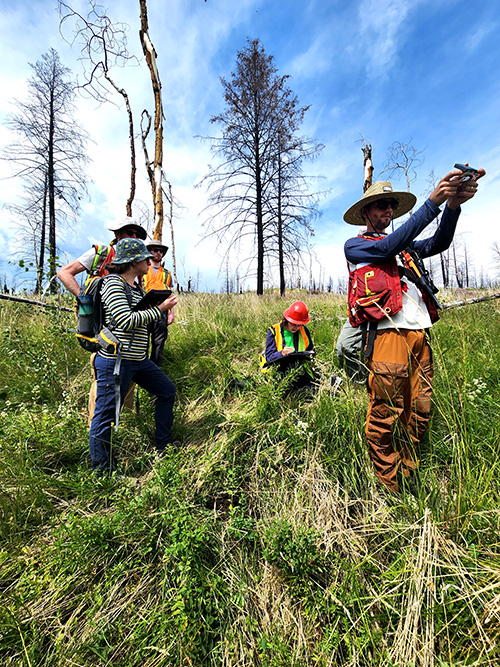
x=157, y=244
x=128, y=222
x=130, y=251
x=380, y=190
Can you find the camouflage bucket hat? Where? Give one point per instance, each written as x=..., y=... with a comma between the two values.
x=380, y=190
x=131, y=250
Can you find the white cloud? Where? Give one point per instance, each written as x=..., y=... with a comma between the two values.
x=382, y=26
x=477, y=36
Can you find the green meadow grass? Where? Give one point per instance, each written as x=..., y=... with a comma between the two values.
x=265, y=541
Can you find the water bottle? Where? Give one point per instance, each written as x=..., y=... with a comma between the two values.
x=86, y=315
x=85, y=304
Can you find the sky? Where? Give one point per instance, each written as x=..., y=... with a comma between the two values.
x=419, y=71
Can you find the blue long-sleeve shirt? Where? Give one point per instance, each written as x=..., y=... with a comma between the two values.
x=359, y=250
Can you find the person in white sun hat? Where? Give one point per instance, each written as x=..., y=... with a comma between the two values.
x=95, y=262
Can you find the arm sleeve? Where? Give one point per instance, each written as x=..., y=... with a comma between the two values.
x=271, y=352
x=87, y=259
x=359, y=250
x=442, y=238
x=114, y=298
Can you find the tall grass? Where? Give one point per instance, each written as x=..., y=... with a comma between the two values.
x=265, y=541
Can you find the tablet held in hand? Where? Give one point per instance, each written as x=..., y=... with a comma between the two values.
x=153, y=298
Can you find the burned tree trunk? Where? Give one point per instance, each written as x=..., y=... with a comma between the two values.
x=368, y=165
x=40, y=258
x=155, y=174
x=144, y=136
x=171, y=223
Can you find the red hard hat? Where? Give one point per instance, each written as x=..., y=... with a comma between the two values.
x=297, y=313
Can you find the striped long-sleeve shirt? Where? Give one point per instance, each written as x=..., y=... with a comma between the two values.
x=132, y=327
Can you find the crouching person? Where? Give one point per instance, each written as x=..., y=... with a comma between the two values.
x=289, y=346
x=119, y=294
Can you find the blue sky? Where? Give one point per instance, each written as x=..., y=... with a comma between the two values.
x=394, y=70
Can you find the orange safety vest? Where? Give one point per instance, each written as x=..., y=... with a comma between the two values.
x=161, y=279
x=104, y=255
x=278, y=337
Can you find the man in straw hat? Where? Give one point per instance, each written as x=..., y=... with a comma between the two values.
x=391, y=299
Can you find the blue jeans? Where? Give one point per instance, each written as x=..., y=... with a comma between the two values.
x=147, y=375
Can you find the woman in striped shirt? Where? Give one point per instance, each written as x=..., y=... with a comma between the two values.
x=119, y=294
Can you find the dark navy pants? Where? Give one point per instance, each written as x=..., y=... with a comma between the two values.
x=147, y=375
x=158, y=330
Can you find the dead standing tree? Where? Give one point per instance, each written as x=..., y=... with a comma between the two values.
x=104, y=45
x=292, y=205
x=495, y=249
x=259, y=158
x=367, y=164
x=403, y=158
x=170, y=199
x=50, y=156
x=155, y=171
x=145, y=129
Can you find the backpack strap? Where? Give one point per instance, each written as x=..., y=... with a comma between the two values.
x=104, y=254
x=369, y=330
x=118, y=398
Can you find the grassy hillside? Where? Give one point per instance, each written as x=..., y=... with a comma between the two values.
x=265, y=541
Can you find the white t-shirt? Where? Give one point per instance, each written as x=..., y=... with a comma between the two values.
x=414, y=314
x=87, y=259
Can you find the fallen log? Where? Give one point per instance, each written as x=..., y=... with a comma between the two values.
x=467, y=302
x=32, y=302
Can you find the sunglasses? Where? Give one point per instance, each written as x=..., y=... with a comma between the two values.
x=382, y=204
x=131, y=232
x=157, y=250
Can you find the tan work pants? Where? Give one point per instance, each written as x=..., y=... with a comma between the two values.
x=400, y=390
x=129, y=398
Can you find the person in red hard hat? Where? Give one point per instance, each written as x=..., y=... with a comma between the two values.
x=288, y=337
